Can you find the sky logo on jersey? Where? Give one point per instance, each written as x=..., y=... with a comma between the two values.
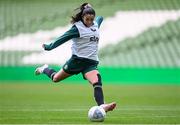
x=95, y=39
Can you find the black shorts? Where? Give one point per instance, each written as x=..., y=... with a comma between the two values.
x=76, y=65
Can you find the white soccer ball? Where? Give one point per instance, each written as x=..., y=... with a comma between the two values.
x=96, y=114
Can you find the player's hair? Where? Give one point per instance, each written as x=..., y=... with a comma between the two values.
x=85, y=8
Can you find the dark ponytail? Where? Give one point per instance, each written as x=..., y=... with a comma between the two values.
x=85, y=8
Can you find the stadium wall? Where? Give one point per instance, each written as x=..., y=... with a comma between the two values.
x=110, y=75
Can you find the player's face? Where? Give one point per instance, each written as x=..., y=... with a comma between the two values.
x=88, y=19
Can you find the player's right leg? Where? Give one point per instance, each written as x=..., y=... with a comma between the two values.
x=95, y=79
x=108, y=107
x=51, y=73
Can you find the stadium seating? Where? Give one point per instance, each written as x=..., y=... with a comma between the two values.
x=156, y=47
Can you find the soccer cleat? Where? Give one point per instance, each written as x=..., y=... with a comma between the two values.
x=109, y=107
x=40, y=69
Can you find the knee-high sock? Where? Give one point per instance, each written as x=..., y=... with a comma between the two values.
x=49, y=72
x=98, y=92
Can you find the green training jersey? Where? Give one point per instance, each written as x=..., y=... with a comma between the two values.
x=85, y=39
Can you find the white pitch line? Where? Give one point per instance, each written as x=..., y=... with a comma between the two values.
x=159, y=108
x=83, y=124
x=43, y=110
x=86, y=109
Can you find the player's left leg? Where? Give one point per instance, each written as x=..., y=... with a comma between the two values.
x=95, y=79
x=51, y=73
x=60, y=75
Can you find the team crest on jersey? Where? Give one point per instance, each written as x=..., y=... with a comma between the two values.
x=66, y=67
x=93, y=29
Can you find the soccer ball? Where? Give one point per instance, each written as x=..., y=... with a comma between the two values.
x=96, y=114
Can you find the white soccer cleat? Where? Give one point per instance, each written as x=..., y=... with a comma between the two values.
x=40, y=69
x=108, y=107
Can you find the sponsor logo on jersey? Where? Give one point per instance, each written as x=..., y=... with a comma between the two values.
x=95, y=39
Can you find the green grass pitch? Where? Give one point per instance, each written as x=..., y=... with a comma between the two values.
x=69, y=103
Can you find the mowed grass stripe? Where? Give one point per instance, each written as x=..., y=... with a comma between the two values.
x=69, y=104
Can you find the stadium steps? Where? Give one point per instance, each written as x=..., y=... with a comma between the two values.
x=156, y=47
x=26, y=16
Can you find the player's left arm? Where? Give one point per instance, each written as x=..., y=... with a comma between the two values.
x=99, y=20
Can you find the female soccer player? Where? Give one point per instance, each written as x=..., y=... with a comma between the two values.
x=85, y=36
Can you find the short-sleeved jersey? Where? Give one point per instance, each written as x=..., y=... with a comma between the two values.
x=86, y=45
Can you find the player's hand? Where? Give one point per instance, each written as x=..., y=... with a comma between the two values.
x=46, y=47
x=43, y=46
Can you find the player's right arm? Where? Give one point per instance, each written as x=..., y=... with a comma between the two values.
x=71, y=33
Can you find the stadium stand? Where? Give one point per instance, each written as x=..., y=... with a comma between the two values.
x=156, y=47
